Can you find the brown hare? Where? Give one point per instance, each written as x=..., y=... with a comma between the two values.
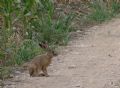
x=40, y=62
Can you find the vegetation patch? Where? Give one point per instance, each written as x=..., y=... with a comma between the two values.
x=25, y=23
x=101, y=12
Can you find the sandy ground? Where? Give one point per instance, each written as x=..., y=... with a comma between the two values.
x=90, y=61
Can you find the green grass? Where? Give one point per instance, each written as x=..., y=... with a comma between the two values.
x=52, y=31
x=102, y=13
x=38, y=25
x=99, y=15
x=27, y=51
x=5, y=72
x=115, y=8
x=35, y=18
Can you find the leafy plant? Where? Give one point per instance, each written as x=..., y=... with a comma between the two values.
x=5, y=72
x=44, y=28
x=27, y=51
x=100, y=12
x=115, y=8
x=36, y=18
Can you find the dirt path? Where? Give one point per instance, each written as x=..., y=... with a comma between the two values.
x=91, y=61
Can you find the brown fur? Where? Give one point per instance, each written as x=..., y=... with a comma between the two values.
x=40, y=63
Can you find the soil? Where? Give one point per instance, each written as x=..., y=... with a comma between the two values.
x=90, y=61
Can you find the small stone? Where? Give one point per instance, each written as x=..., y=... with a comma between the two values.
x=109, y=55
x=11, y=76
x=78, y=85
x=72, y=66
x=92, y=45
x=78, y=31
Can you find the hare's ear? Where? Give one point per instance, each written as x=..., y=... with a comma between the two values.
x=43, y=45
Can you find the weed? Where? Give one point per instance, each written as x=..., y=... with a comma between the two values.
x=101, y=12
x=27, y=51
x=35, y=20
x=5, y=72
x=115, y=8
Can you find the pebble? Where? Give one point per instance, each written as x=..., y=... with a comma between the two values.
x=72, y=67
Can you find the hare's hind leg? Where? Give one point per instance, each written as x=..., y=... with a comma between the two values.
x=33, y=71
x=44, y=69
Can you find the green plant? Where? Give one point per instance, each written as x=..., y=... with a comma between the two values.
x=99, y=15
x=27, y=51
x=35, y=19
x=100, y=12
x=6, y=10
x=53, y=32
x=115, y=8
x=5, y=72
